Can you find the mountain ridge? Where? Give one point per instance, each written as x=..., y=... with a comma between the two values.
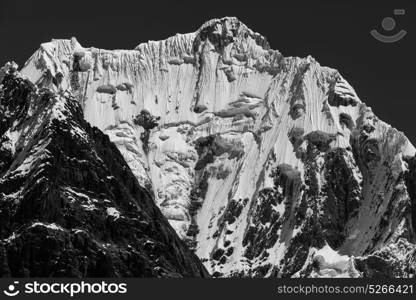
x=265, y=165
x=70, y=206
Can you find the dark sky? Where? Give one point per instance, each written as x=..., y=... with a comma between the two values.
x=336, y=33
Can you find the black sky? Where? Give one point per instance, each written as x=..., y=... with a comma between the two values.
x=336, y=33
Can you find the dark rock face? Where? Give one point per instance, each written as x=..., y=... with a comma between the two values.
x=386, y=263
x=320, y=140
x=148, y=122
x=343, y=196
x=336, y=99
x=223, y=32
x=69, y=204
x=263, y=233
x=376, y=267
x=410, y=178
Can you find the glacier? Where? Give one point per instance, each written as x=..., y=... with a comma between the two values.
x=265, y=165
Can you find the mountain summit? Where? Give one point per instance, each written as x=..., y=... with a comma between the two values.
x=265, y=165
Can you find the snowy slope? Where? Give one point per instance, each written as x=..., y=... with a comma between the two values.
x=257, y=160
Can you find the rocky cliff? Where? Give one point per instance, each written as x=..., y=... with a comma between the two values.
x=69, y=204
x=265, y=165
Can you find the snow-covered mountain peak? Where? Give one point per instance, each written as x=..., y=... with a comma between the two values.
x=258, y=161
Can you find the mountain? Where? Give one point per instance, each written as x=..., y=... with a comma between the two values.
x=69, y=204
x=265, y=165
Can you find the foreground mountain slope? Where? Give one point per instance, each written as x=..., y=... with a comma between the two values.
x=69, y=204
x=266, y=165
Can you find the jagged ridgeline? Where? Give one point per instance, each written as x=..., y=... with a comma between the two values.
x=69, y=203
x=264, y=165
